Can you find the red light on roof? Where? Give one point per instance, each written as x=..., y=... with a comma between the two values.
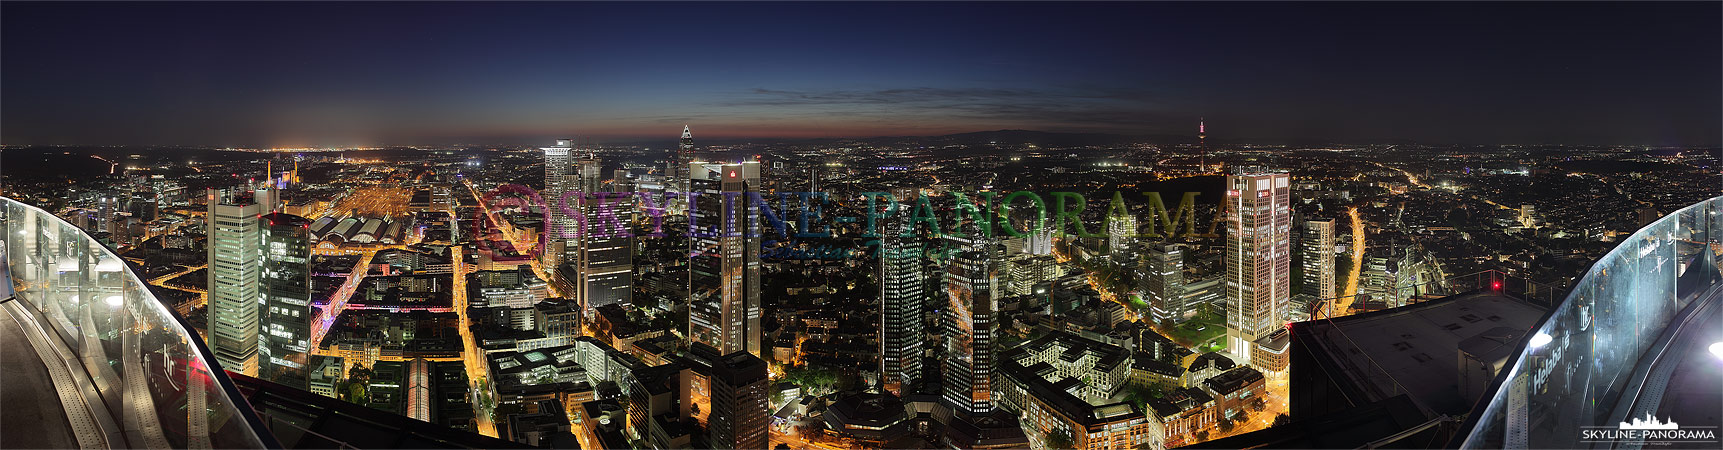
x=1496, y=285
x=732, y=174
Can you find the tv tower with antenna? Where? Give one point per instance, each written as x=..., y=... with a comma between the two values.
x=1202, y=145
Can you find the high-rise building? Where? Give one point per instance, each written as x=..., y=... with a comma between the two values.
x=815, y=179
x=286, y=285
x=561, y=199
x=586, y=227
x=902, y=303
x=234, y=253
x=1646, y=215
x=1039, y=242
x=729, y=395
x=1528, y=215
x=1317, y=249
x=1121, y=232
x=1258, y=259
x=603, y=254
x=1163, y=282
x=724, y=257
x=676, y=168
x=970, y=285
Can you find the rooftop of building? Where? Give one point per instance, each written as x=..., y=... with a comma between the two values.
x=1179, y=400
x=1146, y=362
x=997, y=430
x=1411, y=349
x=1075, y=348
x=1233, y=380
x=302, y=419
x=1361, y=427
x=1212, y=359
x=867, y=409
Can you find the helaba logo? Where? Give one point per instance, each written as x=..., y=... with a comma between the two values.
x=1650, y=430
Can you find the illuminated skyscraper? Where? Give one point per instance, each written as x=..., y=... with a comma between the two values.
x=561, y=199
x=724, y=257
x=676, y=173
x=901, y=305
x=234, y=291
x=970, y=284
x=1163, y=282
x=1121, y=231
x=732, y=394
x=1039, y=242
x=603, y=254
x=1258, y=259
x=286, y=283
x=1317, y=249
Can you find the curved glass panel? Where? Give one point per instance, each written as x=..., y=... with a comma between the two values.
x=153, y=375
x=1597, y=336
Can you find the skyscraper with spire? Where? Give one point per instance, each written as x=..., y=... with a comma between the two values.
x=676, y=174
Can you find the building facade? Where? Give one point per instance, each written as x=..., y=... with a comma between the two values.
x=902, y=303
x=235, y=237
x=1316, y=247
x=1258, y=258
x=286, y=288
x=724, y=257
x=1163, y=283
x=970, y=284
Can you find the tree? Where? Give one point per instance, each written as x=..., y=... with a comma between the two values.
x=812, y=380
x=809, y=430
x=1226, y=425
x=1281, y=419
x=1257, y=404
x=1140, y=395
x=1202, y=435
x=356, y=394
x=1060, y=440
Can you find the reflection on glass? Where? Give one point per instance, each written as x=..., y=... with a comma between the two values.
x=146, y=366
x=1593, y=339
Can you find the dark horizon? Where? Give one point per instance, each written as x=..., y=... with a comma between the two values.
x=260, y=75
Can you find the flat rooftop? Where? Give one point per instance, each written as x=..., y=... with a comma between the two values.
x=1412, y=349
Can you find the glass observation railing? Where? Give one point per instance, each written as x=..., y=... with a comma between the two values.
x=1573, y=371
x=152, y=374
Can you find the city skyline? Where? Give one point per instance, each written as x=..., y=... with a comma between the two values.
x=914, y=225
x=252, y=75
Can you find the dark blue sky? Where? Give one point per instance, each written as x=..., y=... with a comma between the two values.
x=287, y=74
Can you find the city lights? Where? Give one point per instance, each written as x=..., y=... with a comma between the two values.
x=899, y=226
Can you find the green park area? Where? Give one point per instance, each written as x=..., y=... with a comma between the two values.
x=1197, y=333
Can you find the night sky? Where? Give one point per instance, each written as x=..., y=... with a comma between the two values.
x=275, y=74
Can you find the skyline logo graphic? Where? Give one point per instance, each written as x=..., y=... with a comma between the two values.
x=1651, y=431
x=1650, y=422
